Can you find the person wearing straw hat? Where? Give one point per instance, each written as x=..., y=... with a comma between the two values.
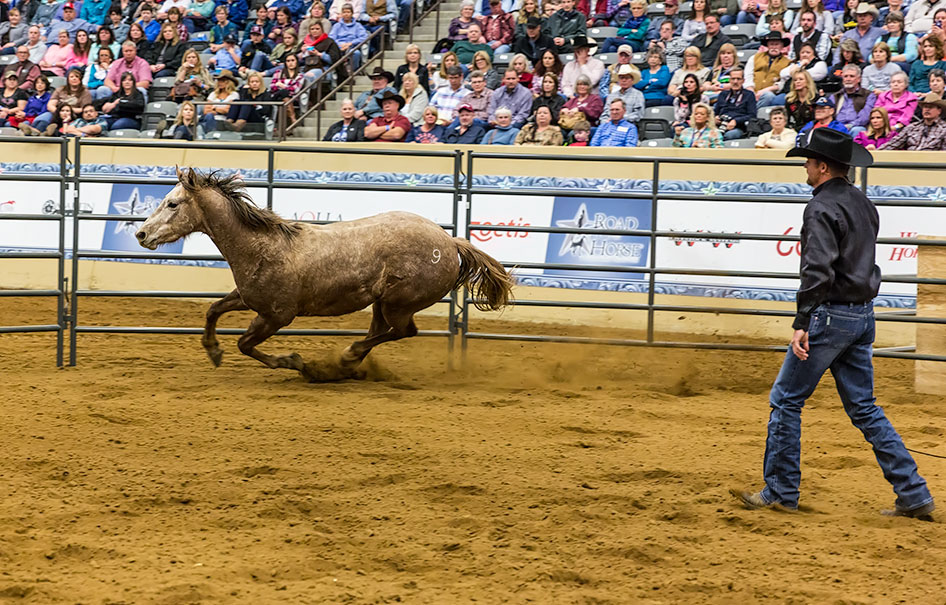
x=628, y=76
x=866, y=33
x=926, y=135
x=834, y=329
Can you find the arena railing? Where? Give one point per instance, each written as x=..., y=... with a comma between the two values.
x=653, y=269
x=271, y=183
x=317, y=103
x=59, y=292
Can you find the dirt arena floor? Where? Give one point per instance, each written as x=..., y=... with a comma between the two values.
x=540, y=473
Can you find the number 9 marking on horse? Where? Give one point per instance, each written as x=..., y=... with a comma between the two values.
x=436, y=256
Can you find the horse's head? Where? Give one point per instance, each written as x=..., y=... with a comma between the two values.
x=177, y=215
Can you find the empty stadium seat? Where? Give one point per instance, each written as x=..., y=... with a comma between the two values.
x=124, y=133
x=763, y=113
x=656, y=122
x=7, y=59
x=56, y=82
x=743, y=55
x=740, y=33
x=665, y=142
x=435, y=59
x=639, y=59
x=794, y=4
x=156, y=111
x=657, y=8
x=686, y=8
x=148, y=134
x=741, y=143
x=6, y=131
x=607, y=59
x=600, y=33
x=199, y=45
x=503, y=59
x=223, y=135
x=161, y=88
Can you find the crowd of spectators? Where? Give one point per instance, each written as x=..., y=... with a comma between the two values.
x=82, y=68
x=872, y=69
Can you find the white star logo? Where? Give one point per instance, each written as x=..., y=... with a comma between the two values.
x=938, y=195
x=574, y=242
x=606, y=187
x=710, y=189
x=134, y=205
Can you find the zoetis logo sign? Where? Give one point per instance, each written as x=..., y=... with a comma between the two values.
x=485, y=235
x=897, y=253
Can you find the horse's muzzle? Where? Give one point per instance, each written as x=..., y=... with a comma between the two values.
x=143, y=240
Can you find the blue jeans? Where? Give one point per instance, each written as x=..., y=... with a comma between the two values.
x=735, y=133
x=840, y=338
x=744, y=17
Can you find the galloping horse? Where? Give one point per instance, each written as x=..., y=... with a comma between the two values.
x=397, y=262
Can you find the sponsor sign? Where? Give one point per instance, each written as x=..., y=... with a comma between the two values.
x=134, y=200
x=603, y=214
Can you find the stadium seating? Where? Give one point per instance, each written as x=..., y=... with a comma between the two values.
x=740, y=33
x=161, y=88
x=600, y=33
x=157, y=111
x=224, y=135
x=656, y=123
x=740, y=143
x=7, y=59
x=666, y=142
x=764, y=112
x=6, y=131
x=125, y=133
x=657, y=8
x=502, y=59
x=56, y=81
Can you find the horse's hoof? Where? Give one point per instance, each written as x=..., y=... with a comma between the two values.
x=292, y=361
x=216, y=356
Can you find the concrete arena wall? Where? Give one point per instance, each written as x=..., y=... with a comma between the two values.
x=117, y=276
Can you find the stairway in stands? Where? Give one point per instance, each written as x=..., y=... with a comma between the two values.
x=423, y=37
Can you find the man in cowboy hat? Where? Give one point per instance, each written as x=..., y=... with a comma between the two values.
x=583, y=64
x=767, y=65
x=928, y=134
x=834, y=328
x=564, y=25
x=865, y=34
x=735, y=107
x=390, y=126
x=628, y=76
x=710, y=41
x=367, y=105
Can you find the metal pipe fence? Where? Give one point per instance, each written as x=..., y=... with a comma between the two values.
x=463, y=191
x=271, y=182
x=653, y=269
x=59, y=217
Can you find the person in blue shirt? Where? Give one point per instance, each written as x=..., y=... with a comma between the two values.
x=655, y=79
x=617, y=132
x=238, y=10
x=296, y=7
x=348, y=34
x=824, y=117
x=466, y=131
x=504, y=133
x=95, y=11
x=152, y=28
x=228, y=57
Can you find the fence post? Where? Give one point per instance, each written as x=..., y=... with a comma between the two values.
x=61, y=270
x=652, y=278
x=74, y=292
x=270, y=175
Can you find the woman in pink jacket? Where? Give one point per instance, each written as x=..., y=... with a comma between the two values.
x=58, y=57
x=899, y=102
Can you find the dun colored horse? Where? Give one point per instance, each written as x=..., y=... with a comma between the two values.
x=396, y=262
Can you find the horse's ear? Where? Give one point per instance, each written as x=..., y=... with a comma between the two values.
x=177, y=169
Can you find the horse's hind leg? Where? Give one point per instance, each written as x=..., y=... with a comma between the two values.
x=400, y=325
x=230, y=302
x=260, y=329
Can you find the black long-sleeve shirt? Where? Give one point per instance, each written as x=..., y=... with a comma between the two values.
x=838, y=246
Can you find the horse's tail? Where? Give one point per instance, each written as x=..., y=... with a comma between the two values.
x=488, y=280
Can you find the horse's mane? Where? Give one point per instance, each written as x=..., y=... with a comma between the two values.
x=232, y=189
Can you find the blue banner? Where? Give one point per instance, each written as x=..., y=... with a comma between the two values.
x=588, y=249
x=132, y=200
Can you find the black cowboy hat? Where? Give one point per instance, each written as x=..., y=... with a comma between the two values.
x=392, y=95
x=774, y=37
x=380, y=72
x=829, y=144
x=583, y=42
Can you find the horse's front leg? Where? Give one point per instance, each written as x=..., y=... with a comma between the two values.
x=230, y=302
x=260, y=329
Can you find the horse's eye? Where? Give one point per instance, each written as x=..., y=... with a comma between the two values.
x=172, y=205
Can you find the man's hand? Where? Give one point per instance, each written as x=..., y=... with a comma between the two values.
x=800, y=344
